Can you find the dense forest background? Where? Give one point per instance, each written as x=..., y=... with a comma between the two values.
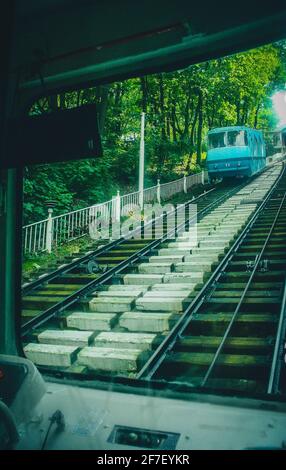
x=180, y=109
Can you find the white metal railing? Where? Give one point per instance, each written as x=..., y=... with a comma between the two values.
x=46, y=234
x=34, y=237
x=168, y=190
x=128, y=201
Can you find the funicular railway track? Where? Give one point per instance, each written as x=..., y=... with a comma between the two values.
x=54, y=289
x=232, y=335
x=134, y=319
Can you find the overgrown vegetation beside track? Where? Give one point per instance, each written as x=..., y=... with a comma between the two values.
x=33, y=264
x=180, y=108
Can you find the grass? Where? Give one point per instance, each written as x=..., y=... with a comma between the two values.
x=32, y=263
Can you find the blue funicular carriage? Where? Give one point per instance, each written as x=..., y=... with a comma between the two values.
x=235, y=151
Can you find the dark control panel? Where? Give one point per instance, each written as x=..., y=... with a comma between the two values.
x=12, y=376
x=21, y=386
x=143, y=438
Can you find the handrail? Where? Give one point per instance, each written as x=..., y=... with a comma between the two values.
x=45, y=234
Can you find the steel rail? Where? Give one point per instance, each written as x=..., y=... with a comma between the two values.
x=45, y=316
x=106, y=248
x=167, y=344
x=102, y=250
x=236, y=312
x=277, y=359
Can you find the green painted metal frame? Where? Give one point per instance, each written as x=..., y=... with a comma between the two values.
x=190, y=47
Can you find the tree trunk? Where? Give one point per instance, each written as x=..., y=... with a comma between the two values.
x=173, y=121
x=245, y=114
x=187, y=117
x=256, y=116
x=162, y=106
x=192, y=138
x=238, y=113
x=200, y=127
x=102, y=108
x=168, y=128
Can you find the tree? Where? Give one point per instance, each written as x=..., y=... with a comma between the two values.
x=180, y=108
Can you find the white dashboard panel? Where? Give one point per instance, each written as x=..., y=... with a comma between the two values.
x=90, y=416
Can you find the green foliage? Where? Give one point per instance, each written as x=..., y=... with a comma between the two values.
x=180, y=108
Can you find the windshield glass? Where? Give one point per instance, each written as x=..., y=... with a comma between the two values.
x=236, y=138
x=227, y=139
x=92, y=304
x=217, y=140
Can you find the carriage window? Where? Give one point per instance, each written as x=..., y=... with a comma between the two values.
x=236, y=138
x=217, y=140
x=255, y=146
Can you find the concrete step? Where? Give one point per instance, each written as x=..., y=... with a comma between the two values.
x=126, y=287
x=130, y=293
x=231, y=223
x=91, y=321
x=167, y=294
x=175, y=251
x=109, y=359
x=165, y=259
x=147, y=321
x=51, y=355
x=216, y=240
x=211, y=250
x=204, y=225
x=160, y=304
x=184, y=277
x=202, y=257
x=155, y=268
x=111, y=304
x=194, y=266
x=66, y=337
x=200, y=231
x=224, y=231
x=169, y=287
x=183, y=245
x=142, y=279
x=212, y=220
x=214, y=243
x=142, y=341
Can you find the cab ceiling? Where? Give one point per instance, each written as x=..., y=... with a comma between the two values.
x=67, y=44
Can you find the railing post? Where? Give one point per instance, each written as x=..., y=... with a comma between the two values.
x=49, y=234
x=203, y=177
x=185, y=184
x=117, y=207
x=158, y=191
